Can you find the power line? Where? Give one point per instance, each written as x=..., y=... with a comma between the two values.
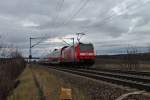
x=77, y=12
x=58, y=8
x=110, y=17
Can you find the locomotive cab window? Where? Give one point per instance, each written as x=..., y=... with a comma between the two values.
x=84, y=47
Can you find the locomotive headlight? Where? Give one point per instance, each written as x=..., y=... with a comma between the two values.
x=82, y=54
x=90, y=54
x=86, y=54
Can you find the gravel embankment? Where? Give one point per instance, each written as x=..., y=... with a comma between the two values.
x=98, y=90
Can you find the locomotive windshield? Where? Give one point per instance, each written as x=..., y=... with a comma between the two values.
x=84, y=47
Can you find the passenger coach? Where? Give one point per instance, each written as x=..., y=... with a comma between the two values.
x=79, y=54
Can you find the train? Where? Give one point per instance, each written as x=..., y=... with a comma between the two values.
x=79, y=54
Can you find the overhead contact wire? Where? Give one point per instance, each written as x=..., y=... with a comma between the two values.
x=77, y=12
x=59, y=7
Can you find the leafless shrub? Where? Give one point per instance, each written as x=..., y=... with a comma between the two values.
x=132, y=59
x=10, y=70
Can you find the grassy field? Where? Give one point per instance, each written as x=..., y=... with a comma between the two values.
x=49, y=84
x=121, y=64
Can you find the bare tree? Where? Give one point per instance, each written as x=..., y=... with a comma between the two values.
x=9, y=51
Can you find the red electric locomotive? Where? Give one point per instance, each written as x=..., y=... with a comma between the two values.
x=79, y=54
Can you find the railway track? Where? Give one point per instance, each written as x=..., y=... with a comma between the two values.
x=137, y=80
x=141, y=73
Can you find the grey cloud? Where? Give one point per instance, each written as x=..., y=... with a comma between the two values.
x=105, y=27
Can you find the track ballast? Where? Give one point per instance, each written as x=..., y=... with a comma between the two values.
x=137, y=80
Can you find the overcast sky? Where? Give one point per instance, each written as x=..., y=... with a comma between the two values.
x=110, y=25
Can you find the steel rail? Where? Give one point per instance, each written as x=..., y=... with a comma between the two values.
x=142, y=73
x=138, y=78
x=133, y=82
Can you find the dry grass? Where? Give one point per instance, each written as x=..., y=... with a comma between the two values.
x=119, y=64
x=49, y=83
x=26, y=89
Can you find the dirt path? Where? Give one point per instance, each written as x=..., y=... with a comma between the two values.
x=40, y=90
x=27, y=89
